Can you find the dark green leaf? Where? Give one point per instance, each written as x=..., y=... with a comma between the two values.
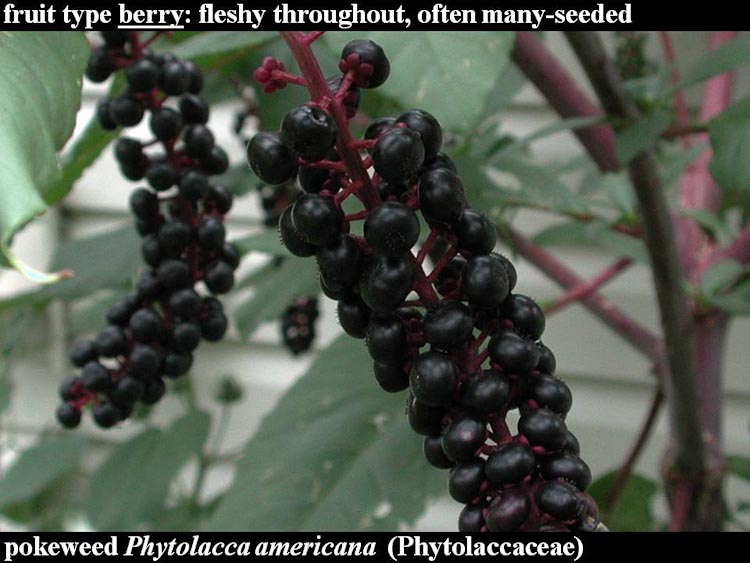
x=633, y=511
x=295, y=277
x=335, y=454
x=6, y=389
x=438, y=66
x=217, y=47
x=561, y=126
x=266, y=241
x=595, y=234
x=710, y=222
x=48, y=509
x=730, y=139
x=40, y=92
x=131, y=485
x=38, y=466
x=642, y=134
x=738, y=466
x=85, y=257
x=736, y=301
x=88, y=146
x=620, y=191
x=239, y=179
x=719, y=276
x=89, y=317
x=729, y=56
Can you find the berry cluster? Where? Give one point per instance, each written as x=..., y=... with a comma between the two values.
x=464, y=343
x=298, y=324
x=153, y=331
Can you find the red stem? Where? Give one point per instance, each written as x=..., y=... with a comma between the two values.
x=562, y=92
x=635, y=334
x=697, y=188
x=299, y=45
x=587, y=288
x=680, y=106
x=626, y=470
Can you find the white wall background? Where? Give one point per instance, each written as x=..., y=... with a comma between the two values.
x=610, y=382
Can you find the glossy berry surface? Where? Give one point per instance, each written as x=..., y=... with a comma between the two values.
x=271, y=159
x=398, y=155
x=369, y=61
x=392, y=229
x=309, y=132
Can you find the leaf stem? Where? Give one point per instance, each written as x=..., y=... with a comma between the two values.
x=562, y=92
x=585, y=289
x=633, y=332
x=676, y=318
x=626, y=470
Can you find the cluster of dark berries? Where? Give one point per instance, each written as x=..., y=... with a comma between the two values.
x=298, y=324
x=465, y=345
x=299, y=317
x=154, y=330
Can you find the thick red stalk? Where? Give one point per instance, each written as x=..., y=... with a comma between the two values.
x=299, y=45
x=680, y=106
x=698, y=191
x=562, y=92
x=626, y=469
x=590, y=286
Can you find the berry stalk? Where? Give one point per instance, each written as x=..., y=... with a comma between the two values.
x=154, y=330
x=468, y=348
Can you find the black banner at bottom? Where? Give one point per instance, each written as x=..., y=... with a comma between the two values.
x=429, y=547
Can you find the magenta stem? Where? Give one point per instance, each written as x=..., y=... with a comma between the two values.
x=587, y=288
x=562, y=92
x=299, y=45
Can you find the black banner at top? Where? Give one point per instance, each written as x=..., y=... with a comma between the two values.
x=422, y=15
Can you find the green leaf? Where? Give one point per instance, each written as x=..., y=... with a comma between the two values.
x=267, y=241
x=88, y=146
x=596, y=234
x=562, y=126
x=295, y=277
x=85, y=257
x=39, y=466
x=131, y=485
x=336, y=454
x=239, y=179
x=710, y=222
x=642, y=134
x=738, y=466
x=40, y=92
x=633, y=511
x=730, y=139
x=620, y=192
x=437, y=67
x=217, y=47
x=48, y=509
x=88, y=317
x=736, y=301
x=729, y=56
x=6, y=390
x=719, y=276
